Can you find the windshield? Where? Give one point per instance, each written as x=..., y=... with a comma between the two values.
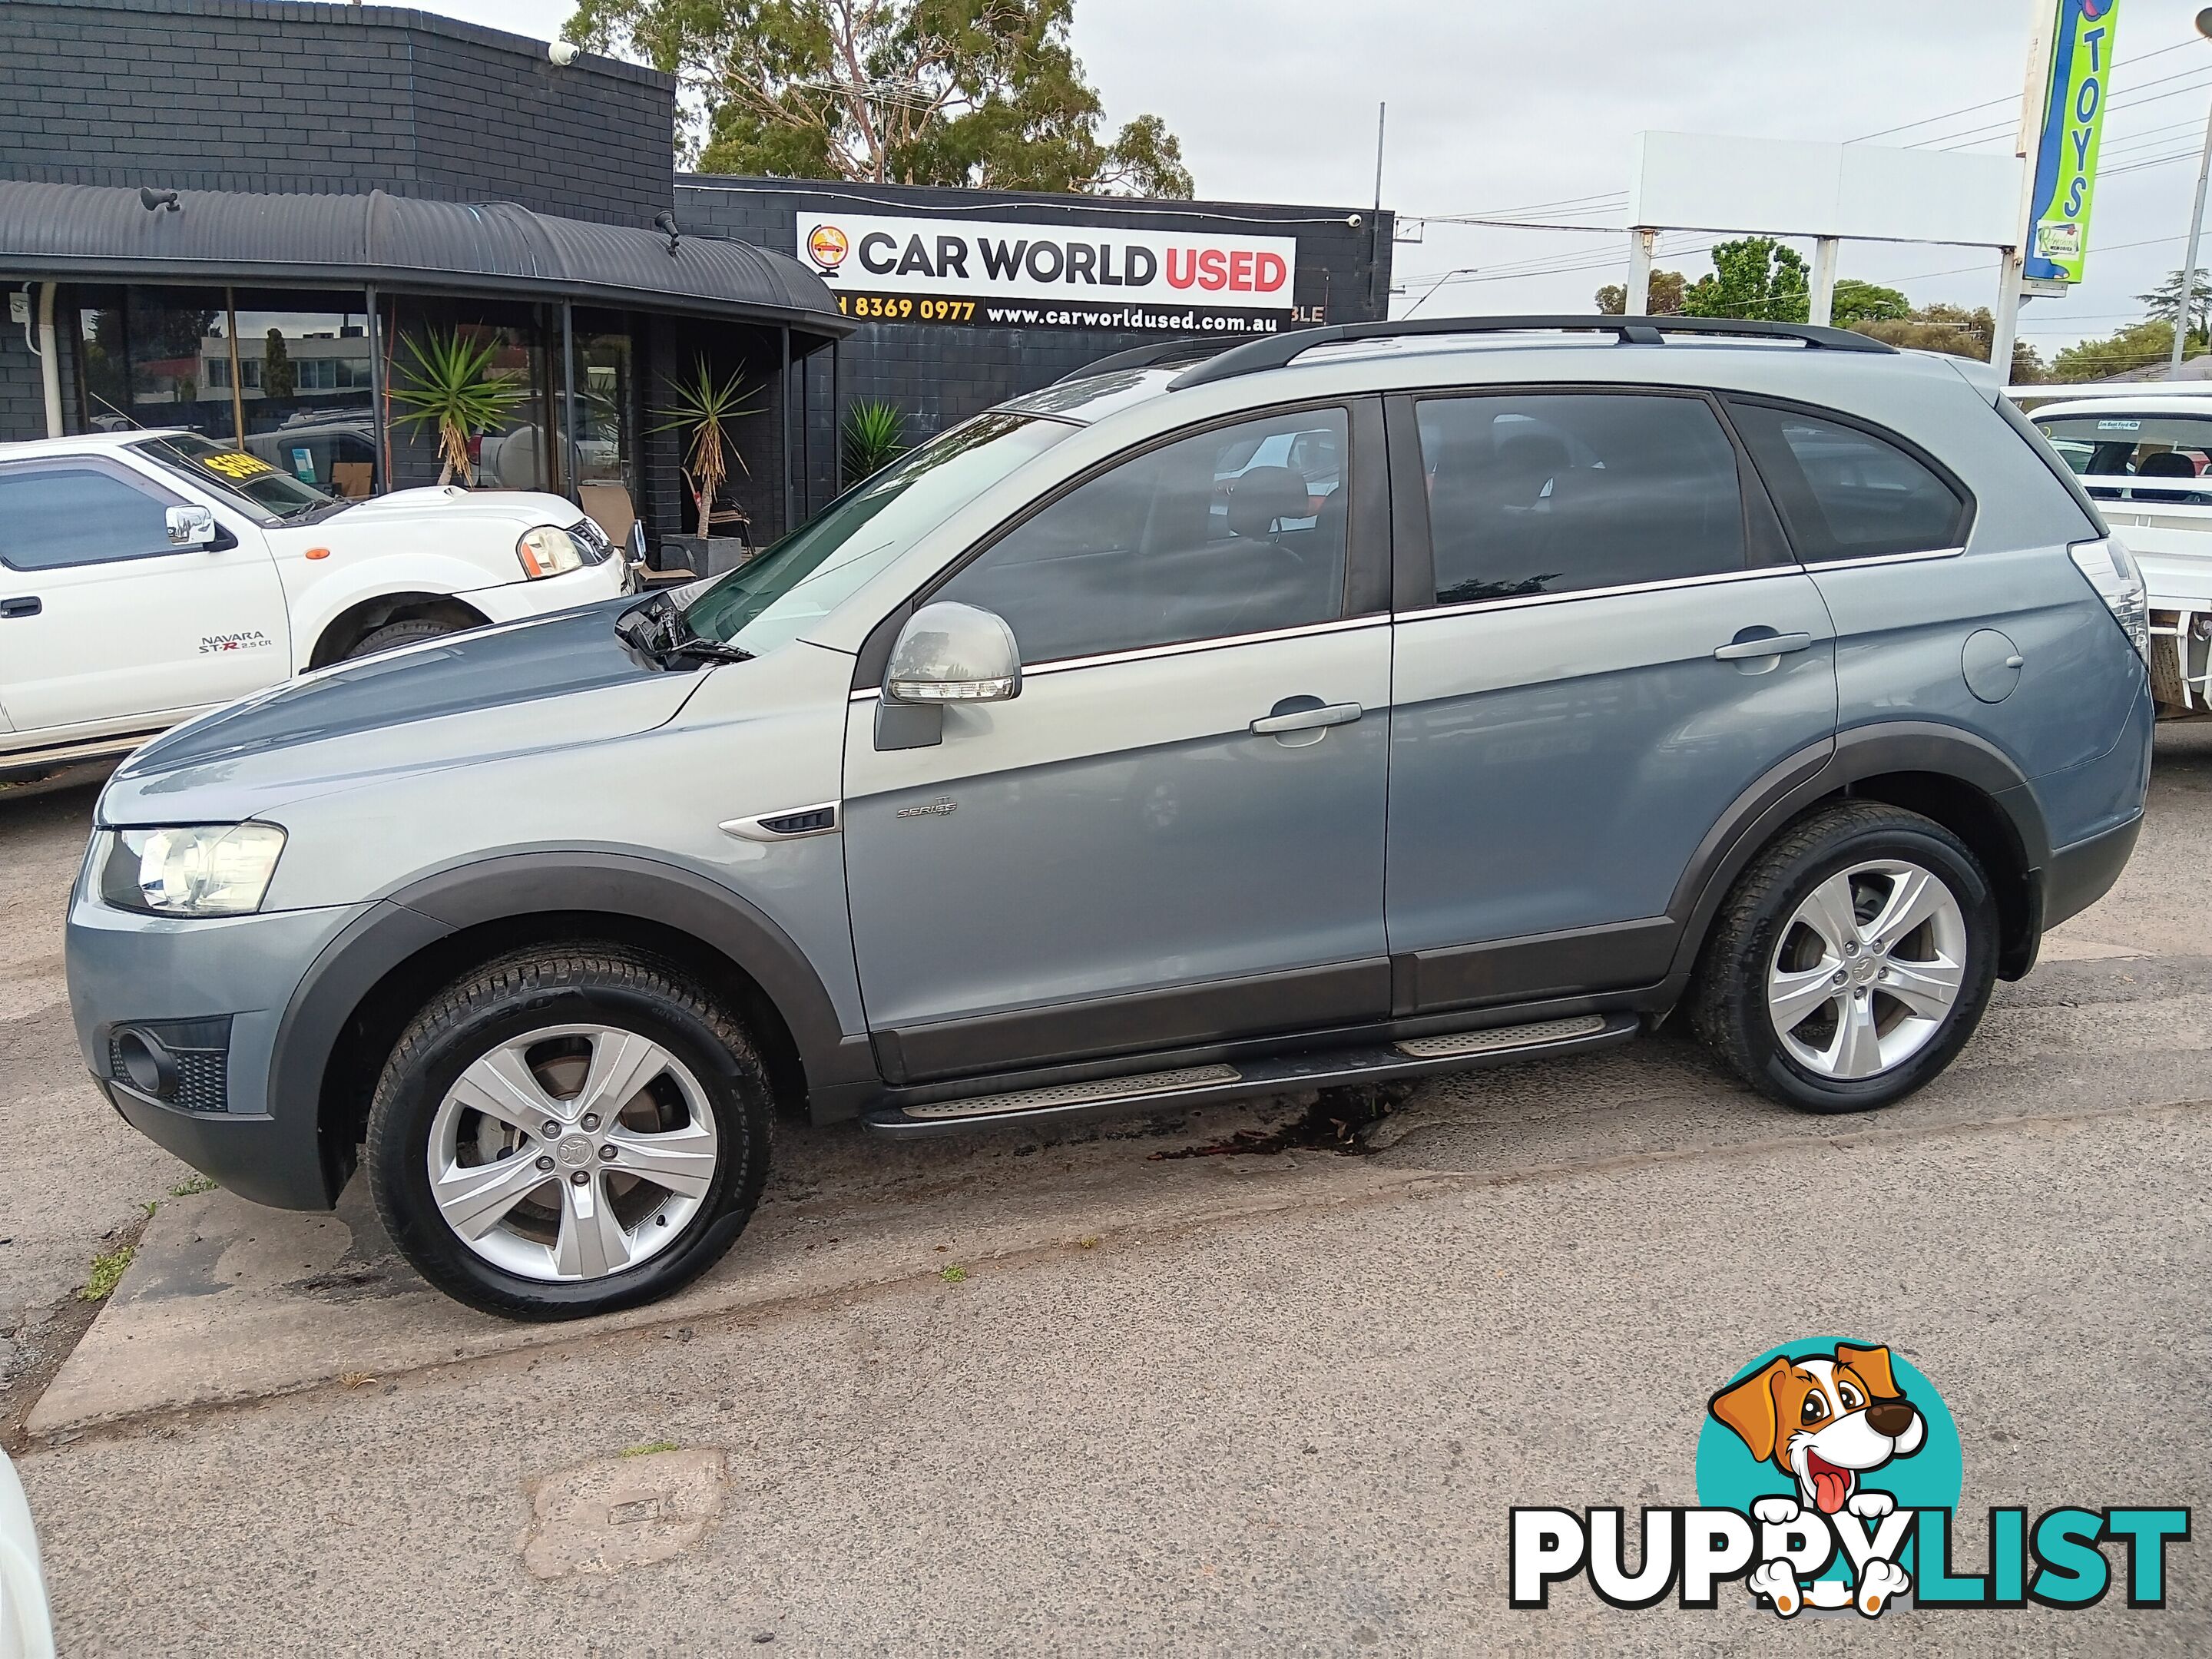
x=811, y=571
x=247, y=482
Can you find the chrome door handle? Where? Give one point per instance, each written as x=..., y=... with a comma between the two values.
x=1308, y=720
x=1769, y=645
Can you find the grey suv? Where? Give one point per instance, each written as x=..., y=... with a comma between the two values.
x=1339, y=707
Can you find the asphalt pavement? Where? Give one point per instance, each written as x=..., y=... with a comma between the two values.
x=1020, y=1394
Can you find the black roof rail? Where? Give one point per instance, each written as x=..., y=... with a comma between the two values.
x=1277, y=350
x=1151, y=357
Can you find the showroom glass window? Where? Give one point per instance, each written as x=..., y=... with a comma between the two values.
x=174, y=337
x=305, y=386
x=603, y=459
x=1556, y=493
x=1846, y=493
x=1238, y=529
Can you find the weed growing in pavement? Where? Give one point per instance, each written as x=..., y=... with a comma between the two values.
x=191, y=1188
x=954, y=1275
x=649, y=1448
x=107, y=1272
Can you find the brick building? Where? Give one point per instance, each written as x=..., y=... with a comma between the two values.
x=241, y=216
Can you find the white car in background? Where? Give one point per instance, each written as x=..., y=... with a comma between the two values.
x=25, y=1629
x=2144, y=452
x=148, y=576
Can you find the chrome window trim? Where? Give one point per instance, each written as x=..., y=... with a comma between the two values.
x=1921, y=558
x=1180, y=648
x=1520, y=601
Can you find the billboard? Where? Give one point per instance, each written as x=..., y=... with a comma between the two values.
x=1007, y=274
x=2074, y=100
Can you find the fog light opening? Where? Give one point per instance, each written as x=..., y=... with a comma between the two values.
x=147, y=1063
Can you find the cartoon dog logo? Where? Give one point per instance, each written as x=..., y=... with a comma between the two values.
x=1825, y=1421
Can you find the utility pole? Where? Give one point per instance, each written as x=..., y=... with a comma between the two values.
x=1382, y=113
x=2196, y=229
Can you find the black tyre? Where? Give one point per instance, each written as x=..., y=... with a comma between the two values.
x=411, y=631
x=568, y=1131
x=1851, y=962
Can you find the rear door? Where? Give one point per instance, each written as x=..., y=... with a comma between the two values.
x=103, y=625
x=1116, y=859
x=1601, y=643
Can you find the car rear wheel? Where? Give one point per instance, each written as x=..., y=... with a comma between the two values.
x=566, y=1132
x=1851, y=962
x=412, y=630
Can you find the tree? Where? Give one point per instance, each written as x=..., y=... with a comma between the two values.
x=2164, y=303
x=979, y=92
x=1665, y=299
x=1866, y=302
x=279, y=377
x=2139, y=345
x=1755, y=277
x=1953, y=330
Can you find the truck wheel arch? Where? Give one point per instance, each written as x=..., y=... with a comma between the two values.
x=364, y=616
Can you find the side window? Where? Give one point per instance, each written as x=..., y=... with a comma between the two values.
x=78, y=513
x=1553, y=492
x=1844, y=493
x=1235, y=531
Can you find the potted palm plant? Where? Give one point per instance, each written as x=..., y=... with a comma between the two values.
x=875, y=436
x=702, y=407
x=451, y=388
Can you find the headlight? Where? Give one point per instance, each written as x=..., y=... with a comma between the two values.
x=194, y=870
x=549, y=550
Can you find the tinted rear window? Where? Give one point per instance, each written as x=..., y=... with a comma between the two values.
x=1847, y=493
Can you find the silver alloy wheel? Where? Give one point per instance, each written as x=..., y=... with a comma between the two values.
x=1867, y=968
x=572, y=1152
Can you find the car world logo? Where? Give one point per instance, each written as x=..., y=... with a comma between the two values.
x=827, y=246
x=1829, y=1472
x=252, y=639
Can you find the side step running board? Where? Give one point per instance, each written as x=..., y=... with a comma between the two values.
x=1274, y=1074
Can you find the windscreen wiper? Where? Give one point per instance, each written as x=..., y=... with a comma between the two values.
x=657, y=628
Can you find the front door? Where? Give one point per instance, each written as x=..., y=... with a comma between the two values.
x=105, y=626
x=1116, y=861
x=1606, y=645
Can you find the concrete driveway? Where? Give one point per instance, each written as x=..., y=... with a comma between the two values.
x=1015, y=1394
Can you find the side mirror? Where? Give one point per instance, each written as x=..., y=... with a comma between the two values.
x=191, y=526
x=947, y=653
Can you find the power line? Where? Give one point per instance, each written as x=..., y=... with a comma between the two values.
x=2012, y=98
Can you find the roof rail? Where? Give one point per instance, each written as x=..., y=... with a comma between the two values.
x=1149, y=356
x=1277, y=350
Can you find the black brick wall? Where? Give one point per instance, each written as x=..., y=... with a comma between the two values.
x=275, y=96
x=939, y=375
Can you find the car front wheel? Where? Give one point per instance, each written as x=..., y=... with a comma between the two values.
x=566, y=1132
x=1851, y=962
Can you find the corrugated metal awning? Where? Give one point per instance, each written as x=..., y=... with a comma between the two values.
x=96, y=232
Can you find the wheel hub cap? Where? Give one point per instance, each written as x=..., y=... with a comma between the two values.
x=1867, y=970
x=522, y=1180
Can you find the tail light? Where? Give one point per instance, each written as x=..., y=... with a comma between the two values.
x=2112, y=571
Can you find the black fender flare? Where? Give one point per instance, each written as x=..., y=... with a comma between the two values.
x=1821, y=769
x=840, y=1070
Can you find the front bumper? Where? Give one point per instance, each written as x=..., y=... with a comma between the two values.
x=517, y=600
x=126, y=968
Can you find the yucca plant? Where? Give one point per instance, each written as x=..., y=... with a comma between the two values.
x=702, y=405
x=452, y=387
x=875, y=436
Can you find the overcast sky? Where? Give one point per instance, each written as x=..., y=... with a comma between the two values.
x=1500, y=107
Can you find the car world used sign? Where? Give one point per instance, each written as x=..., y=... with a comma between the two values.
x=998, y=274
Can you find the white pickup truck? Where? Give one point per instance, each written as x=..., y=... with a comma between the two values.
x=146, y=576
x=2145, y=452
